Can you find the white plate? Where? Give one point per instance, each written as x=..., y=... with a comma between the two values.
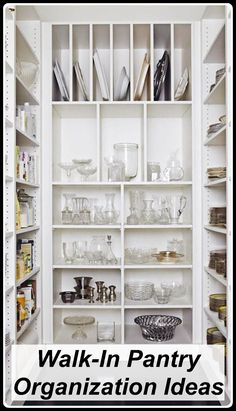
x=101, y=76
x=80, y=80
x=141, y=78
x=122, y=85
x=182, y=85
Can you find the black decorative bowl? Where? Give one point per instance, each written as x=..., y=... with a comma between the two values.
x=67, y=296
x=158, y=327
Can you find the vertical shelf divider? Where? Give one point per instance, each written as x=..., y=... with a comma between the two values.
x=99, y=142
x=145, y=137
x=152, y=62
x=131, y=62
x=111, y=62
x=91, y=60
x=122, y=272
x=71, y=62
x=172, y=59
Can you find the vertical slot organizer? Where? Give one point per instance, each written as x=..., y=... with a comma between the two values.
x=141, y=47
x=162, y=43
x=81, y=55
x=121, y=61
x=61, y=54
x=101, y=47
x=182, y=57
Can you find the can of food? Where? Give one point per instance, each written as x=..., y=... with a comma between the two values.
x=214, y=336
x=222, y=312
x=216, y=300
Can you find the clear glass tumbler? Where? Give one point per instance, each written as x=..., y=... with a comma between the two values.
x=106, y=331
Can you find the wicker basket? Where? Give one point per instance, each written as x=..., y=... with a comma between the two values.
x=157, y=327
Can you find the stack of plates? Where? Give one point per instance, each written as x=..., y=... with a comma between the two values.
x=216, y=172
x=61, y=81
x=122, y=86
x=213, y=128
x=219, y=74
x=80, y=80
x=7, y=338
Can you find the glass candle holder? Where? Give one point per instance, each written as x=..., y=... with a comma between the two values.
x=106, y=331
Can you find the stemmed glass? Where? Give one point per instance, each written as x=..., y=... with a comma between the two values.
x=67, y=167
x=86, y=170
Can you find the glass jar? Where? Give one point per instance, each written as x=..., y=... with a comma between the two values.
x=153, y=171
x=128, y=154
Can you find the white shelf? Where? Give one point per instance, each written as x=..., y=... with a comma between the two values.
x=86, y=184
x=220, y=230
x=133, y=335
x=8, y=234
x=157, y=226
x=216, y=276
x=8, y=67
x=27, y=229
x=8, y=347
x=154, y=266
x=62, y=265
x=184, y=302
x=86, y=226
x=26, y=183
x=8, y=179
x=218, y=323
x=217, y=94
x=217, y=139
x=24, y=94
x=177, y=184
x=24, y=47
x=8, y=123
x=28, y=276
x=216, y=52
x=64, y=333
x=27, y=323
x=221, y=182
x=9, y=289
x=85, y=304
x=23, y=139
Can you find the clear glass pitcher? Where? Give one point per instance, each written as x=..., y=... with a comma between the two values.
x=175, y=206
x=81, y=211
x=148, y=214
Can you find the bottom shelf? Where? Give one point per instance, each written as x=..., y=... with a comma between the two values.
x=27, y=323
x=64, y=335
x=133, y=335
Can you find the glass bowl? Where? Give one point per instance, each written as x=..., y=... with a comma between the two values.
x=139, y=290
x=162, y=295
x=177, y=289
x=158, y=327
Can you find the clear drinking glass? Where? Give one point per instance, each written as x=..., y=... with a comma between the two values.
x=69, y=251
x=162, y=295
x=128, y=154
x=153, y=171
x=116, y=169
x=106, y=331
x=98, y=248
x=81, y=249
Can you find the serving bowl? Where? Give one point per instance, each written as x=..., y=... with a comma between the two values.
x=68, y=296
x=139, y=290
x=157, y=327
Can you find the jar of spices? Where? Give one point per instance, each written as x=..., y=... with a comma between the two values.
x=21, y=300
x=20, y=266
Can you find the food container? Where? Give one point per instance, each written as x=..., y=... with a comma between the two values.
x=216, y=255
x=217, y=216
x=68, y=296
x=214, y=336
x=222, y=312
x=216, y=300
x=158, y=327
x=220, y=266
x=139, y=290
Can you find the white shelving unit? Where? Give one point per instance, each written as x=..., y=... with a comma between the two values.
x=216, y=53
x=201, y=41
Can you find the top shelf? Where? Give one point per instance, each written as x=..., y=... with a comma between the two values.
x=216, y=52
